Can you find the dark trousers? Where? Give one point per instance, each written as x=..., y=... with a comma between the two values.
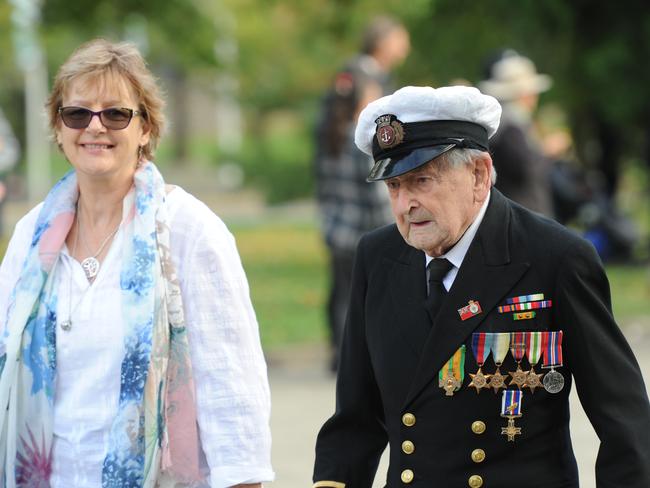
x=341, y=263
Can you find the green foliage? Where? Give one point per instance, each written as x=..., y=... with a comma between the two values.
x=279, y=160
x=285, y=54
x=67, y=24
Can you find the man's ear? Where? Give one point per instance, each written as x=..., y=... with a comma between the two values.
x=482, y=172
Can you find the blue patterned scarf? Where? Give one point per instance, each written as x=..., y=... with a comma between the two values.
x=155, y=428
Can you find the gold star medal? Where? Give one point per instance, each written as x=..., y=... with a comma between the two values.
x=511, y=409
x=518, y=349
x=500, y=346
x=452, y=374
x=481, y=346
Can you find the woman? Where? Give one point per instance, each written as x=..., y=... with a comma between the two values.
x=131, y=354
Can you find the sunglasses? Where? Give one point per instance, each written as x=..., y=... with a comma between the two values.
x=112, y=118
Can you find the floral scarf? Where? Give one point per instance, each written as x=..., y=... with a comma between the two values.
x=155, y=429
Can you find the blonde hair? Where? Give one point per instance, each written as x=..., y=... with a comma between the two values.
x=98, y=61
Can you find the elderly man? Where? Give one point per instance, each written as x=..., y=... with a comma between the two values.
x=469, y=319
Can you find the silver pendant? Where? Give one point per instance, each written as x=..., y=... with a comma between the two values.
x=553, y=382
x=66, y=325
x=90, y=266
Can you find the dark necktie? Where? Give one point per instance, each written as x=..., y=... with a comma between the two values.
x=438, y=269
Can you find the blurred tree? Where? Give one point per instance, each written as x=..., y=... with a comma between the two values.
x=595, y=51
x=288, y=50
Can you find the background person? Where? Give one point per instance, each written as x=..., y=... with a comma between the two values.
x=524, y=170
x=131, y=354
x=348, y=207
x=436, y=360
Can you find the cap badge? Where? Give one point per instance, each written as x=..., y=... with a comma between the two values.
x=390, y=131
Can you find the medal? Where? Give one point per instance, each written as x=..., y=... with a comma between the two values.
x=511, y=409
x=452, y=374
x=481, y=346
x=525, y=298
x=518, y=349
x=534, y=347
x=517, y=307
x=470, y=310
x=500, y=345
x=523, y=315
x=553, y=380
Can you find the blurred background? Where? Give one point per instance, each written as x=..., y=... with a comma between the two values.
x=245, y=82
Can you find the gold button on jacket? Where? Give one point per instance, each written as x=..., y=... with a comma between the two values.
x=407, y=476
x=478, y=427
x=408, y=419
x=475, y=481
x=478, y=455
x=408, y=447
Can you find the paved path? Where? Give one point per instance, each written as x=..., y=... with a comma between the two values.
x=303, y=397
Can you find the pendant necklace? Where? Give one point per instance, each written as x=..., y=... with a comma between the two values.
x=91, y=264
x=67, y=324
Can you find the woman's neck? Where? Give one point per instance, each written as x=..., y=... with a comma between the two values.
x=100, y=205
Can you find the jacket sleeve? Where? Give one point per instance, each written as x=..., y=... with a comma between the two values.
x=350, y=443
x=607, y=375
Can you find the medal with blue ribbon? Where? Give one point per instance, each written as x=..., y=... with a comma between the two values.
x=553, y=380
x=481, y=347
x=511, y=409
x=452, y=374
x=500, y=344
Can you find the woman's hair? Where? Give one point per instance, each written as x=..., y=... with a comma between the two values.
x=100, y=61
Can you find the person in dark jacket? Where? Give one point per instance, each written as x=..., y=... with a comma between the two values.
x=524, y=170
x=347, y=206
x=470, y=319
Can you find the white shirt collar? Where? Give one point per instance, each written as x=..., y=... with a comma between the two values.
x=456, y=254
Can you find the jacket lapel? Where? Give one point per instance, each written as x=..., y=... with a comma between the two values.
x=486, y=275
x=408, y=291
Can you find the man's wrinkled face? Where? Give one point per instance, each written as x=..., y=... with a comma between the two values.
x=433, y=206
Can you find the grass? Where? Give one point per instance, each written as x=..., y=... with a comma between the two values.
x=286, y=268
x=285, y=265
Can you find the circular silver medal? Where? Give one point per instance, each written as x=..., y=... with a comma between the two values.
x=553, y=381
x=66, y=325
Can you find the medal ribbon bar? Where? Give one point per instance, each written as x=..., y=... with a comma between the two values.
x=511, y=403
x=517, y=345
x=481, y=346
x=500, y=345
x=552, y=349
x=535, y=345
x=525, y=298
x=515, y=307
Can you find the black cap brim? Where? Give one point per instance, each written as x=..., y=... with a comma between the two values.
x=397, y=166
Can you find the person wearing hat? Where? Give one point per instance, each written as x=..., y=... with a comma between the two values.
x=469, y=320
x=524, y=170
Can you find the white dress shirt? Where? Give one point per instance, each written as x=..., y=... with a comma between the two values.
x=456, y=254
x=232, y=393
